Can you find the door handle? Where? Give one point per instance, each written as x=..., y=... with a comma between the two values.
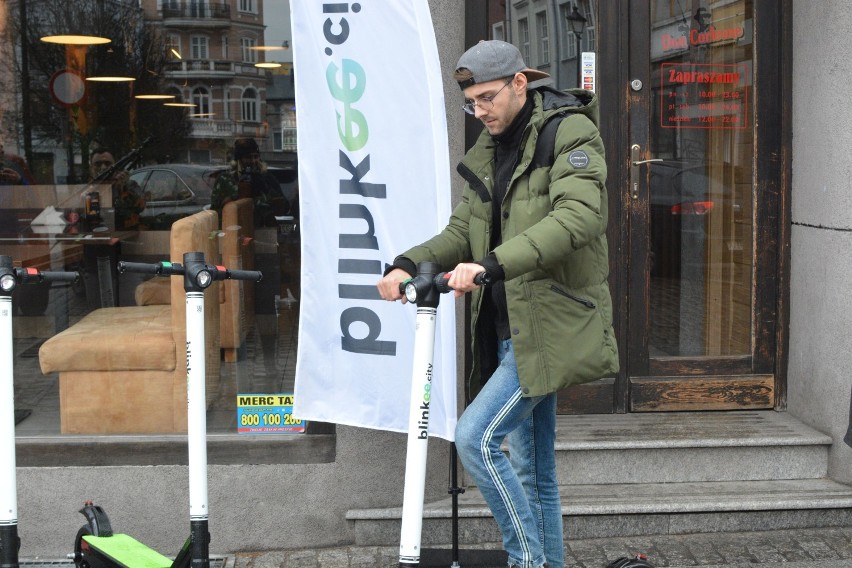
x=636, y=161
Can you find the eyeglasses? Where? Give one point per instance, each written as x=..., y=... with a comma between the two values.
x=103, y=163
x=485, y=103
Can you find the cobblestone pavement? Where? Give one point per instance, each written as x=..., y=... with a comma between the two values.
x=804, y=548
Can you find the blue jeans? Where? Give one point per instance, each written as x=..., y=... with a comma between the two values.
x=521, y=490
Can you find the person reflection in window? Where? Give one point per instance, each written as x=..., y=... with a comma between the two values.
x=13, y=169
x=126, y=195
x=250, y=177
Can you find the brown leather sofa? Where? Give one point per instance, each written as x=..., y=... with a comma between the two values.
x=123, y=370
x=236, y=310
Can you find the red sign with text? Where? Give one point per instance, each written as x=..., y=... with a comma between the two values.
x=694, y=95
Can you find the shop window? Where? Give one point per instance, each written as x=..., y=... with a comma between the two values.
x=173, y=161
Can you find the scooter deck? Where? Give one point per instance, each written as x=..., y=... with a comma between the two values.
x=128, y=552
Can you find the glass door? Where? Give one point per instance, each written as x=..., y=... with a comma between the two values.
x=694, y=112
x=697, y=217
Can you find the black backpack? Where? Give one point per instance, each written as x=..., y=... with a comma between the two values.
x=544, y=146
x=638, y=561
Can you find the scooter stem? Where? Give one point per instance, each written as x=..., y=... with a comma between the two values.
x=196, y=393
x=9, y=540
x=418, y=420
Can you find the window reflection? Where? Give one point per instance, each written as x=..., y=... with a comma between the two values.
x=170, y=132
x=701, y=191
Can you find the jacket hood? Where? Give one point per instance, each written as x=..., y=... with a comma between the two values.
x=578, y=100
x=546, y=103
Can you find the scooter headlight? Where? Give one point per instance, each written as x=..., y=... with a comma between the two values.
x=411, y=292
x=8, y=282
x=204, y=278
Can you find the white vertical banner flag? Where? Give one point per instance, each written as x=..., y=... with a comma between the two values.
x=373, y=181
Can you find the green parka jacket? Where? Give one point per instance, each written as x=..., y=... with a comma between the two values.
x=553, y=250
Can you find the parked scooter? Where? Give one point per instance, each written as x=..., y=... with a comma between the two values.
x=10, y=279
x=96, y=545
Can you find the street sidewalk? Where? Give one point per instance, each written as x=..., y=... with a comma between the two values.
x=801, y=548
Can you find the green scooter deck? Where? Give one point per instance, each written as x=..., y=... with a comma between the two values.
x=127, y=551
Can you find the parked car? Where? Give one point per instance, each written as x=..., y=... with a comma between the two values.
x=174, y=191
x=684, y=196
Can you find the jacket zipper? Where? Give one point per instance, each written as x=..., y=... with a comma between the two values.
x=588, y=303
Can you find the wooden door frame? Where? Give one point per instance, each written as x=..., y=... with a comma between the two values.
x=771, y=181
x=772, y=175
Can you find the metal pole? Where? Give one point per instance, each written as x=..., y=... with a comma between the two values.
x=454, y=492
x=579, y=63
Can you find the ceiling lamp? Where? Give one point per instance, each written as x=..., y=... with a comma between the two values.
x=185, y=105
x=285, y=45
x=153, y=97
x=111, y=79
x=73, y=39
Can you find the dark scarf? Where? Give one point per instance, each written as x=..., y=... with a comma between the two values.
x=506, y=152
x=506, y=148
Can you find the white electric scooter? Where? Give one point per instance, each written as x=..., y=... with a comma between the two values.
x=96, y=546
x=10, y=279
x=425, y=291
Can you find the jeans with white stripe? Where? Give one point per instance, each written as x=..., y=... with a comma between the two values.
x=521, y=490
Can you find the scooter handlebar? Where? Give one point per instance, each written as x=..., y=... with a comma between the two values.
x=60, y=276
x=253, y=275
x=442, y=278
x=157, y=268
x=440, y=281
x=27, y=275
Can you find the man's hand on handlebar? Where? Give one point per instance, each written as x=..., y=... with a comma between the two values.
x=461, y=278
x=389, y=285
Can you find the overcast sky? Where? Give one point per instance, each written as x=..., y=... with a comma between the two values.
x=276, y=15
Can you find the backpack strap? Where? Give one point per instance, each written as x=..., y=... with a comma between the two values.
x=544, y=146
